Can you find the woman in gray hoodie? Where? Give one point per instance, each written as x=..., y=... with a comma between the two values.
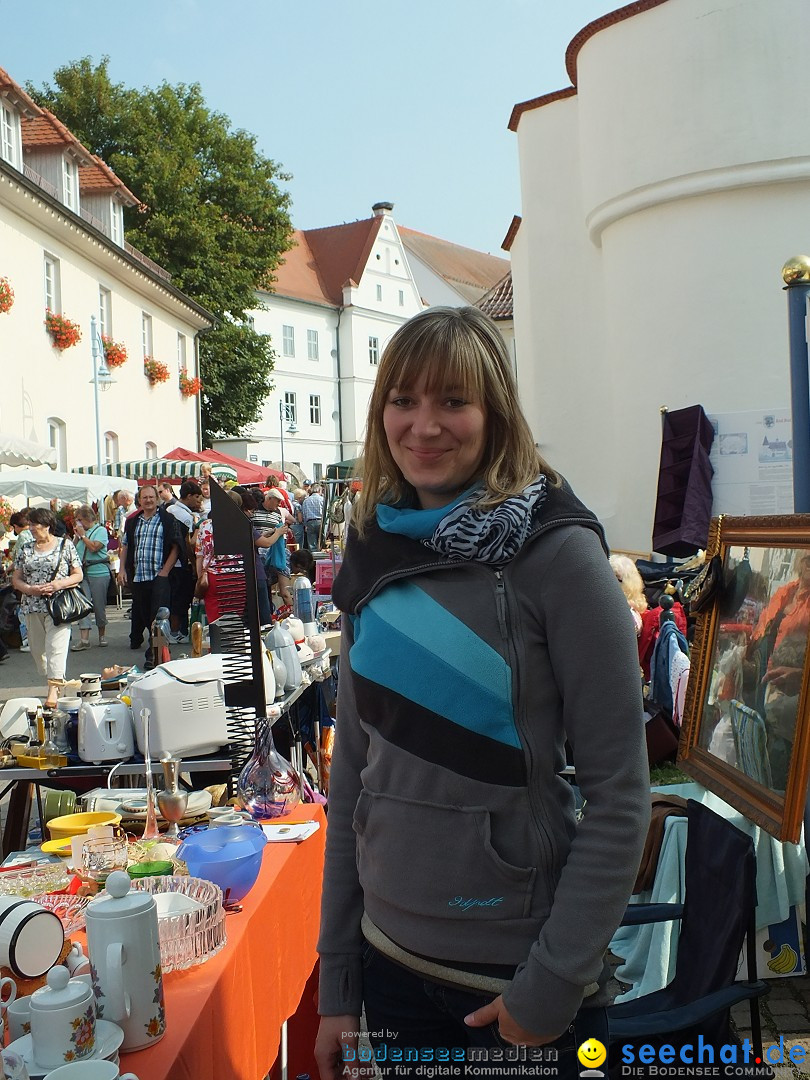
x=464, y=909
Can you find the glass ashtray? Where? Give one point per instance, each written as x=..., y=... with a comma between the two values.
x=70, y=909
x=191, y=919
x=30, y=881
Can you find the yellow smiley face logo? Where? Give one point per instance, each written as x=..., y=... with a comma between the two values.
x=591, y=1054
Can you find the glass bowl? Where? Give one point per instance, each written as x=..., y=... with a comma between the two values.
x=70, y=909
x=30, y=881
x=191, y=919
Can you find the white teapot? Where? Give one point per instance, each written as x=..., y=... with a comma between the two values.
x=124, y=948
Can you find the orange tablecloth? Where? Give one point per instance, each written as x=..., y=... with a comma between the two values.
x=223, y=1018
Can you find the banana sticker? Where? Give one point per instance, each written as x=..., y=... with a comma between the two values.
x=785, y=961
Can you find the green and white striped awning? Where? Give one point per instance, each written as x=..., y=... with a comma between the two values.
x=159, y=469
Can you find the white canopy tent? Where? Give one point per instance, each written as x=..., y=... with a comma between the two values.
x=16, y=451
x=69, y=487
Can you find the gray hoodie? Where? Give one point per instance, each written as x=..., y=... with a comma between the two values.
x=449, y=823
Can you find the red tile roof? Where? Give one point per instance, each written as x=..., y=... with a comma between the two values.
x=572, y=53
x=470, y=272
x=14, y=92
x=98, y=178
x=324, y=260
x=497, y=303
x=46, y=131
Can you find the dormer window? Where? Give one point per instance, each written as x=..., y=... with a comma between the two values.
x=116, y=222
x=70, y=184
x=10, y=136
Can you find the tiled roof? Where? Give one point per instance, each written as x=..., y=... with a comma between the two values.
x=470, y=272
x=46, y=131
x=14, y=92
x=323, y=260
x=98, y=178
x=572, y=53
x=497, y=303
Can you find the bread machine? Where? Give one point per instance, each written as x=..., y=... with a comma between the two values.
x=186, y=702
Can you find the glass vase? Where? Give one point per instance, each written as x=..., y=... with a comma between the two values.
x=268, y=785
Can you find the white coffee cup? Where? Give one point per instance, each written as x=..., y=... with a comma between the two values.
x=18, y=1018
x=89, y=1070
x=76, y=961
x=31, y=937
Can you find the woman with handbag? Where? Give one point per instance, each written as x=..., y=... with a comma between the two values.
x=43, y=567
x=91, y=546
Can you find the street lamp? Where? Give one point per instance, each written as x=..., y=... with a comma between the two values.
x=102, y=380
x=286, y=415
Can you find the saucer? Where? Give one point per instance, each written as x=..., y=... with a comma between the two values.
x=108, y=1040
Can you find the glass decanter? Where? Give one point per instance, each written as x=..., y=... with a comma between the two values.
x=268, y=785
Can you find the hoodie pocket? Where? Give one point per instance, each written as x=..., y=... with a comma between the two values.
x=437, y=861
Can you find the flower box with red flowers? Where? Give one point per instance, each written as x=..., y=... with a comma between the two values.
x=6, y=296
x=190, y=386
x=155, y=370
x=64, y=333
x=115, y=353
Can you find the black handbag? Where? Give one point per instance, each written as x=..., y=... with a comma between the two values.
x=67, y=605
x=701, y=592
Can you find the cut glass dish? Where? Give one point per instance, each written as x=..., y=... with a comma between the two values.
x=191, y=923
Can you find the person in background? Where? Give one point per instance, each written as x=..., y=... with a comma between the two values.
x=166, y=494
x=297, y=523
x=302, y=562
x=249, y=504
x=150, y=549
x=126, y=506
x=463, y=904
x=632, y=585
x=110, y=506
x=205, y=487
x=91, y=547
x=185, y=510
x=59, y=528
x=42, y=567
x=22, y=535
x=276, y=556
x=312, y=511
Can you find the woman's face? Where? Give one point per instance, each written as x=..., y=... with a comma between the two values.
x=437, y=439
x=39, y=532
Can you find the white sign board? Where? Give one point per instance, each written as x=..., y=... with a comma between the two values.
x=752, y=456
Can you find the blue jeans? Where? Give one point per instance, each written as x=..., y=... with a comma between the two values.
x=404, y=1010
x=313, y=529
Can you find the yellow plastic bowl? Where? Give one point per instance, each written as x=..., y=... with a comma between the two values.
x=62, y=848
x=61, y=828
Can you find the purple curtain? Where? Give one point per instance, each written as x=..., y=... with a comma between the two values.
x=683, y=508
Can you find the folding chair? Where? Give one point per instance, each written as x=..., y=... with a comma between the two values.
x=716, y=914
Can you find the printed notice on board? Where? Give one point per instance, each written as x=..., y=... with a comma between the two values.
x=752, y=456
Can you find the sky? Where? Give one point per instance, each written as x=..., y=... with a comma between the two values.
x=402, y=101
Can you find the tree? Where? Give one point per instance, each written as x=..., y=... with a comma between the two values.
x=213, y=215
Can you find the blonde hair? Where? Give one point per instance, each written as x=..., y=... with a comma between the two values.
x=459, y=349
x=629, y=578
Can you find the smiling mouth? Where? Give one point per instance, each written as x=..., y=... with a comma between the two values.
x=427, y=454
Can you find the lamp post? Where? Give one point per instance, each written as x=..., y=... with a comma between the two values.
x=286, y=415
x=102, y=380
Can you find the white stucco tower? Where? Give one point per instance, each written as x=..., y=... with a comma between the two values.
x=661, y=194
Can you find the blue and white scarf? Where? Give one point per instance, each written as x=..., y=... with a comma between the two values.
x=492, y=535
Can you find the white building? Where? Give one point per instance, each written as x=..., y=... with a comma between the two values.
x=661, y=194
x=62, y=248
x=339, y=295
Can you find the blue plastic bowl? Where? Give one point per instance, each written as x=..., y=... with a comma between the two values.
x=230, y=856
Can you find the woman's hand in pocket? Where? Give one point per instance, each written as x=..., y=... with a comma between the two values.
x=509, y=1029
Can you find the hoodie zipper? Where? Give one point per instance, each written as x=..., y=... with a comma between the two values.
x=535, y=804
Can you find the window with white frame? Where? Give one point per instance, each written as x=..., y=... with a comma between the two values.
x=312, y=344
x=110, y=447
x=151, y=451
x=104, y=311
x=288, y=340
x=10, y=142
x=53, y=284
x=146, y=334
x=379, y=292
x=181, y=352
x=57, y=439
x=116, y=222
x=317, y=470
x=70, y=184
x=374, y=351
x=314, y=408
x=290, y=408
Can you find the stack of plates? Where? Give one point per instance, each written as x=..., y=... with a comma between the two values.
x=108, y=1041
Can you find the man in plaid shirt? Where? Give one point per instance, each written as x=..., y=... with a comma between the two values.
x=149, y=551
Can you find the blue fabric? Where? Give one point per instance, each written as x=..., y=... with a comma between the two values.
x=669, y=640
x=408, y=643
x=417, y=524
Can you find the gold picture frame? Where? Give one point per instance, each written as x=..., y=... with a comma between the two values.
x=746, y=730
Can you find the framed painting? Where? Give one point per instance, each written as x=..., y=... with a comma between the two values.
x=746, y=730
